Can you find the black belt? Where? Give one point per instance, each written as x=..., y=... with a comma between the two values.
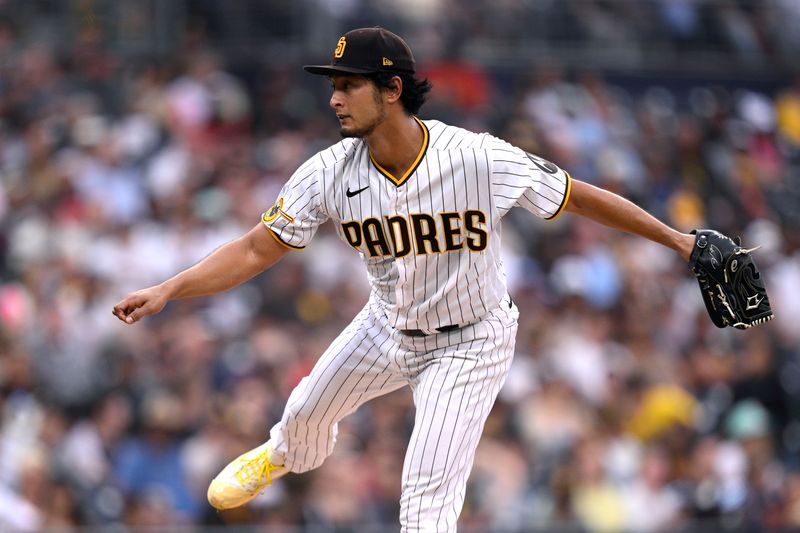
x=420, y=333
x=443, y=329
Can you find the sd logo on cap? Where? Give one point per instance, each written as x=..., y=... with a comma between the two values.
x=369, y=50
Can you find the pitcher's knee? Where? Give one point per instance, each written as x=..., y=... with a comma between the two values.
x=302, y=421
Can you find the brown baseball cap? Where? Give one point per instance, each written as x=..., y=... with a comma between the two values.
x=365, y=51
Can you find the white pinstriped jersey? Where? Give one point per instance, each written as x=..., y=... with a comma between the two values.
x=430, y=239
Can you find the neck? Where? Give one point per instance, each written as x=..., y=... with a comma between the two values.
x=396, y=143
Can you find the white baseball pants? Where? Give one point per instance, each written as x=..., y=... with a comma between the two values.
x=455, y=378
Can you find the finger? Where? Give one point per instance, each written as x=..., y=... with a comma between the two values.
x=132, y=300
x=122, y=315
x=119, y=311
x=138, y=313
x=125, y=306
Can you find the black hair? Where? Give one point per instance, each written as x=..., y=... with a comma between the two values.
x=415, y=91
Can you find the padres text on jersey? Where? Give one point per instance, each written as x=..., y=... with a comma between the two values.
x=412, y=231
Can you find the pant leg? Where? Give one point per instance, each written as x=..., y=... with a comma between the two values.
x=454, y=392
x=354, y=369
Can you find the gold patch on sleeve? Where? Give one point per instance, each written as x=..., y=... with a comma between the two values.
x=276, y=211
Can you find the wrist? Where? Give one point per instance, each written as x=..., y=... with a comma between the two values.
x=169, y=289
x=684, y=242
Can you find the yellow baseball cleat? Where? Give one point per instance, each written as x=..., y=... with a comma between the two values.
x=244, y=478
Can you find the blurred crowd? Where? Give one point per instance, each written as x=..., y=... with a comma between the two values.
x=625, y=409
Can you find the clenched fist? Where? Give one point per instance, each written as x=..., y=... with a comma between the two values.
x=140, y=304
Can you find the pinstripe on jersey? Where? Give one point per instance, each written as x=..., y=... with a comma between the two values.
x=431, y=243
x=458, y=172
x=455, y=378
x=442, y=219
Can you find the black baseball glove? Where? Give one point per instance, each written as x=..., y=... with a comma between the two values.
x=731, y=285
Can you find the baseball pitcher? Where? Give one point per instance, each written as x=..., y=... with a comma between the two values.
x=422, y=203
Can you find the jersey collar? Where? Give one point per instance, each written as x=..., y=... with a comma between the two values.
x=399, y=181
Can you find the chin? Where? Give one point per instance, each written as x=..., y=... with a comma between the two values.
x=355, y=132
x=349, y=132
x=346, y=132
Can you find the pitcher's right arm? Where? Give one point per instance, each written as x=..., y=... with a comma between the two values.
x=226, y=267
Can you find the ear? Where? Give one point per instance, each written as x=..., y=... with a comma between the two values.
x=394, y=90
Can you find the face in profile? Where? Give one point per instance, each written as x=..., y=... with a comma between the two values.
x=358, y=103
